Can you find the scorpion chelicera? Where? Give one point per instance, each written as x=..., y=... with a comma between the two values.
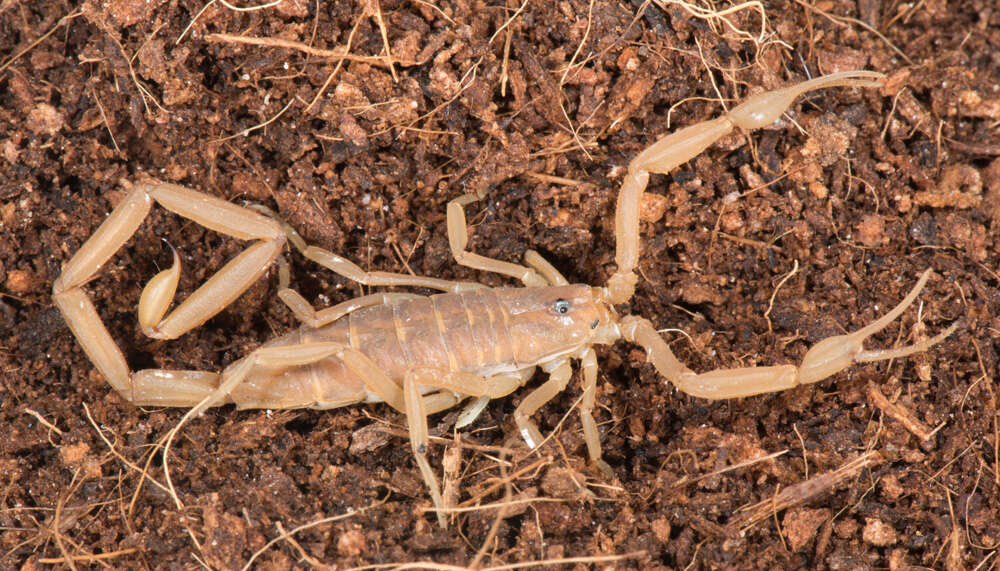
x=425, y=354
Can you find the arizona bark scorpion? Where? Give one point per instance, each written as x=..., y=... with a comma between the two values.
x=422, y=355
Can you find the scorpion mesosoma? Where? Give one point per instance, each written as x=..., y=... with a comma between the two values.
x=422, y=355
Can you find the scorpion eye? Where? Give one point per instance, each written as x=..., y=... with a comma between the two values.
x=561, y=306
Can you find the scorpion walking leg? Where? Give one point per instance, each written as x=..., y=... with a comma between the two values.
x=219, y=291
x=291, y=356
x=416, y=415
x=315, y=319
x=458, y=239
x=559, y=374
x=588, y=365
x=189, y=388
x=543, y=267
x=417, y=410
x=472, y=411
x=677, y=148
x=348, y=269
x=305, y=313
x=559, y=371
x=825, y=358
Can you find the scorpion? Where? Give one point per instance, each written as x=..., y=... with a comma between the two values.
x=425, y=354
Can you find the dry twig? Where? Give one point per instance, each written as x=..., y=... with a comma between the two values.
x=802, y=492
x=900, y=413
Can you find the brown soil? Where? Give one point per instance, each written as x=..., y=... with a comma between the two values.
x=863, y=188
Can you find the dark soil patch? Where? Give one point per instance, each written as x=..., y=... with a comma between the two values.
x=875, y=186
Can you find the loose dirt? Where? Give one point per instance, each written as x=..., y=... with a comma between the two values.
x=358, y=121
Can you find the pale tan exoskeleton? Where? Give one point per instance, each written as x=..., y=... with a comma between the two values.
x=422, y=355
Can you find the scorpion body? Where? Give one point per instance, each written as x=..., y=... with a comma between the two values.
x=422, y=355
x=481, y=331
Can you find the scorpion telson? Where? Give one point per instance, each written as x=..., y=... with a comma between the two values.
x=422, y=355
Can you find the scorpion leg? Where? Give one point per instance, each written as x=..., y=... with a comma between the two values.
x=417, y=410
x=291, y=356
x=416, y=416
x=305, y=313
x=348, y=269
x=220, y=290
x=559, y=371
x=458, y=239
x=677, y=148
x=472, y=411
x=559, y=374
x=190, y=388
x=825, y=358
x=315, y=319
x=588, y=365
x=543, y=267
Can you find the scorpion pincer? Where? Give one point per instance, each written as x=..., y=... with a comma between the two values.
x=420, y=354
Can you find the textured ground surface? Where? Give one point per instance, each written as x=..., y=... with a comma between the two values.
x=538, y=107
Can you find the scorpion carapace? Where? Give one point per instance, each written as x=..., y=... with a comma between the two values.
x=422, y=354
x=554, y=321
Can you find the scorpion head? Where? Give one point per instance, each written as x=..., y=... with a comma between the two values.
x=546, y=322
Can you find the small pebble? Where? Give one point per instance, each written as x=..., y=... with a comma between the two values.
x=878, y=533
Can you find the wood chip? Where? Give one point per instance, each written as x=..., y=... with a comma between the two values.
x=903, y=415
x=802, y=492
